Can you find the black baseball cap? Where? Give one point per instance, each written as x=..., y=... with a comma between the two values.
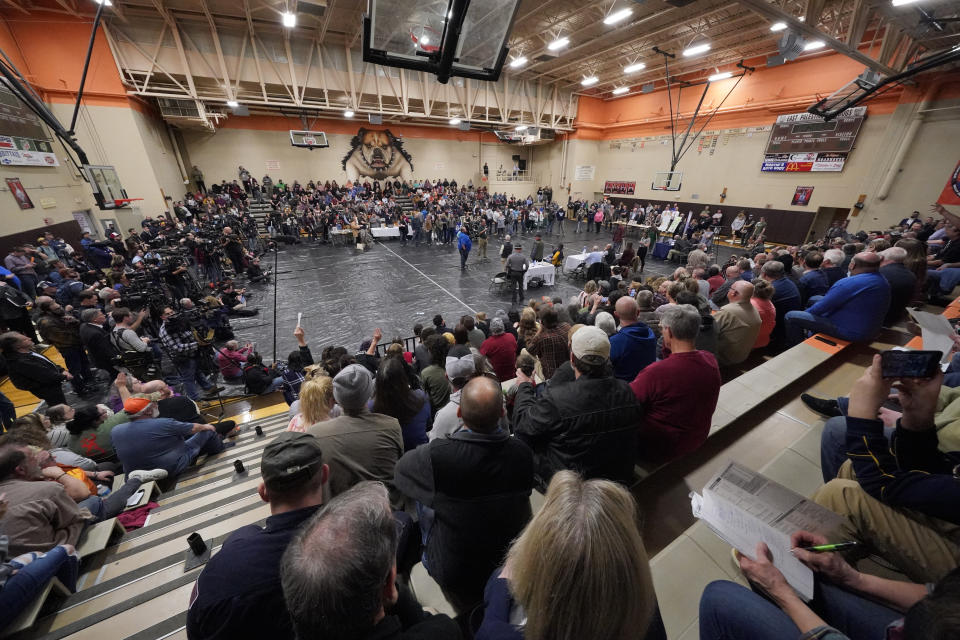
x=291, y=458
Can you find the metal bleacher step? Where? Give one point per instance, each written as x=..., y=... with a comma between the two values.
x=137, y=587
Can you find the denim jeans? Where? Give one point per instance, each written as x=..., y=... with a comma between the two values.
x=833, y=443
x=21, y=588
x=79, y=367
x=190, y=377
x=111, y=506
x=729, y=611
x=799, y=322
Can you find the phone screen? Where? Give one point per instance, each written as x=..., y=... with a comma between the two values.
x=909, y=364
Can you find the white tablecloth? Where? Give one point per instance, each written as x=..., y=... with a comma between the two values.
x=385, y=232
x=543, y=270
x=572, y=262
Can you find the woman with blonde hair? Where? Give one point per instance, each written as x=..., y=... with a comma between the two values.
x=579, y=571
x=315, y=403
x=527, y=328
x=585, y=298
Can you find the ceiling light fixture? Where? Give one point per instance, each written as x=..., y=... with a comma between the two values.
x=521, y=127
x=620, y=91
x=696, y=49
x=233, y=104
x=900, y=3
x=559, y=43
x=425, y=40
x=778, y=26
x=348, y=113
x=814, y=44
x=636, y=66
x=454, y=121
x=289, y=19
x=617, y=16
x=105, y=3
x=720, y=76
x=518, y=62
x=589, y=80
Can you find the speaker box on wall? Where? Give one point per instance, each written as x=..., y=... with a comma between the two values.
x=375, y=118
x=522, y=164
x=515, y=158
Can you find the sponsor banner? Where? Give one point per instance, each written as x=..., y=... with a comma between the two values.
x=28, y=158
x=803, y=162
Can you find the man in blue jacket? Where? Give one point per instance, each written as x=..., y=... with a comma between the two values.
x=634, y=346
x=853, y=308
x=463, y=245
x=786, y=298
x=900, y=498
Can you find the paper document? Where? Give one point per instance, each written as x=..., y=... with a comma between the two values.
x=299, y=318
x=936, y=331
x=743, y=508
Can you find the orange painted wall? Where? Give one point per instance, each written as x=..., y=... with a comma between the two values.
x=756, y=101
x=50, y=49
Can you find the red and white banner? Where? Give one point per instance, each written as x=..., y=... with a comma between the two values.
x=951, y=192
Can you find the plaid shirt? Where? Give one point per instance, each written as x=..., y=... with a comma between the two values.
x=550, y=345
x=179, y=344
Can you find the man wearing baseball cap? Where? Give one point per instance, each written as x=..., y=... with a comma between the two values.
x=588, y=425
x=151, y=442
x=238, y=594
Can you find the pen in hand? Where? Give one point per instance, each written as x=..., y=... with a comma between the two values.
x=825, y=548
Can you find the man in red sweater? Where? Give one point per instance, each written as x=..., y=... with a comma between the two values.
x=501, y=350
x=679, y=393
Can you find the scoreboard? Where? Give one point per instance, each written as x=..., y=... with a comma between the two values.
x=805, y=132
x=805, y=142
x=23, y=138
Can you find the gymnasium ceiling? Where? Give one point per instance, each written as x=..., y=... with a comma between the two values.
x=210, y=51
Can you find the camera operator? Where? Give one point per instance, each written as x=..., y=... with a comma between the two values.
x=177, y=339
x=176, y=277
x=235, y=302
x=255, y=272
x=233, y=247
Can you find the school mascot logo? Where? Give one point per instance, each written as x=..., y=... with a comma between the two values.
x=378, y=155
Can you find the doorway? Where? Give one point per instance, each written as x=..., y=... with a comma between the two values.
x=825, y=217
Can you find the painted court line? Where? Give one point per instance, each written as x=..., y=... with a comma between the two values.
x=437, y=284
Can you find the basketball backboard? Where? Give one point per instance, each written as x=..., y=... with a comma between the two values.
x=465, y=38
x=105, y=184
x=667, y=181
x=309, y=139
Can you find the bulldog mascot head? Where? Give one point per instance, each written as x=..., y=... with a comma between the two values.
x=378, y=155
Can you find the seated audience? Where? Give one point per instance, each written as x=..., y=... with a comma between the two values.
x=433, y=377
x=903, y=283
x=238, y=593
x=296, y=361
x=259, y=378
x=26, y=576
x=151, y=442
x=473, y=494
x=814, y=281
x=738, y=325
x=448, y=421
x=578, y=570
x=32, y=372
x=40, y=515
x=847, y=603
x=678, y=394
x=719, y=297
x=832, y=265
x=358, y=445
x=762, y=293
x=588, y=425
x=315, y=404
x=550, y=344
x=392, y=396
x=786, y=298
x=339, y=573
x=634, y=346
x=853, y=309
x=231, y=358
x=501, y=350
x=899, y=498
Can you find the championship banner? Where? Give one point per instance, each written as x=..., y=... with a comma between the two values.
x=951, y=192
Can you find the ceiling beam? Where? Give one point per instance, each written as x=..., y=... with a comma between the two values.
x=227, y=85
x=772, y=12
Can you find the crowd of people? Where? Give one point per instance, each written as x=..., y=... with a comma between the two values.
x=400, y=453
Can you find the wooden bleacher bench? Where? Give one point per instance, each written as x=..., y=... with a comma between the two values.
x=27, y=617
x=747, y=391
x=98, y=537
